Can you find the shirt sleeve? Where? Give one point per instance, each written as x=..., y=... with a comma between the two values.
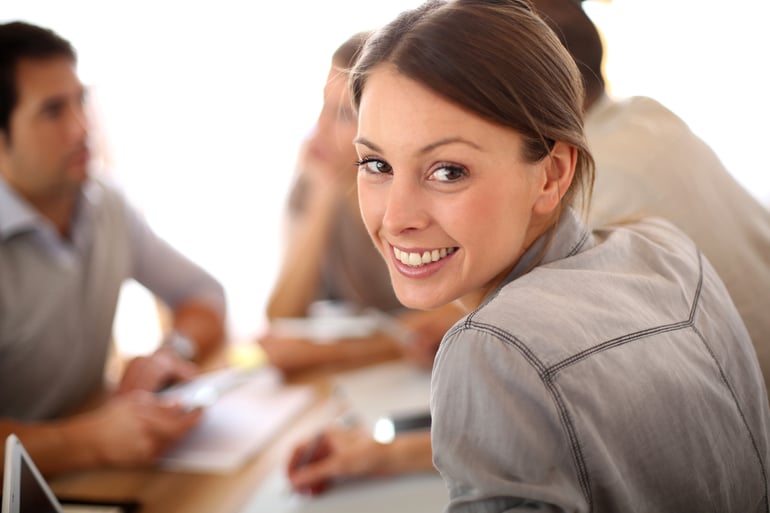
x=166, y=272
x=497, y=438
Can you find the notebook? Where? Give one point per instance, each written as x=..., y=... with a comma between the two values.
x=26, y=491
x=243, y=413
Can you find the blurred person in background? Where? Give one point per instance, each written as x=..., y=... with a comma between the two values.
x=68, y=242
x=649, y=163
x=329, y=258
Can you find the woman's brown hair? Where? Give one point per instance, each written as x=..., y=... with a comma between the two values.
x=497, y=59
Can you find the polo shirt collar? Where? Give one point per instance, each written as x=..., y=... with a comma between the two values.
x=16, y=215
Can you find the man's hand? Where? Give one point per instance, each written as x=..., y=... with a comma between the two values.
x=154, y=372
x=135, y=429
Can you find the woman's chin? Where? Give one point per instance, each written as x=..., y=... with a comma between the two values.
x=421, y=301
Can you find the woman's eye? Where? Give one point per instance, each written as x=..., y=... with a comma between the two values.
x=374, y=166
x=448, y=173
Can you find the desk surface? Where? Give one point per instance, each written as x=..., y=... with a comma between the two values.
x=163, y=491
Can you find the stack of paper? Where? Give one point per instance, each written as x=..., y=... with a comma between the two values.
x=239, y=423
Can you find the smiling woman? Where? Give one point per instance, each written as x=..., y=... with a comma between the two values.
x=198, y=107
x=446, y=191
x=541, y=397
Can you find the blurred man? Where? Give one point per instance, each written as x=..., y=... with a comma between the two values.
x=67, y=244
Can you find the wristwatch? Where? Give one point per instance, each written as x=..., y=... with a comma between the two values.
x=181, y=344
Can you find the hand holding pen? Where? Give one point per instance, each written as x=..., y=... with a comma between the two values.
x=334, y=454
x=340, y=451
x=352, y=453
x=306, y=473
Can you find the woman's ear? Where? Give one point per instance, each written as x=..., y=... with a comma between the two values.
x=559, y=168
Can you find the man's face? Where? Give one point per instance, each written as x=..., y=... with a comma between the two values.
x=45, y=154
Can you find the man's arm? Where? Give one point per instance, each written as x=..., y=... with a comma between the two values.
x=54, y=446
x=196, y=299
x=202, y=325
x=128, y=431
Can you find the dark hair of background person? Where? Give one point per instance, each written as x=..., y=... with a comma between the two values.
x=465, y=51
x=347, y=52
x=19, y=40
x=579, y=35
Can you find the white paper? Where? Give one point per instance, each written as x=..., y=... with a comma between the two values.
x=239, y=424
x=369, y=393
x=325, y=329
x=416, y=493
x=393, y=388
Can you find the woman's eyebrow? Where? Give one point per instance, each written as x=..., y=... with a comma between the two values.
x=424, y=149
x=367, y=143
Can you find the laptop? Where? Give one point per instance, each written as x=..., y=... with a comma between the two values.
x=26, y=491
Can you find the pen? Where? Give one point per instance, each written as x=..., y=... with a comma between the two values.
x=307, y=455
x=314, y=449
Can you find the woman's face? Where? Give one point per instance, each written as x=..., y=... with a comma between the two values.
x=445, y=195
x=329, y=148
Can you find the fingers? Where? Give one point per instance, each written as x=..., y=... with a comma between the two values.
x=168, y=421
x=136, y=428
x=154, y=372
x=311, y=451
x=315, y=477
x=336, y=453
x=308, y=468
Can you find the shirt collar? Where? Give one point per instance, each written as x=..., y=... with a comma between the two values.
x=16, y=215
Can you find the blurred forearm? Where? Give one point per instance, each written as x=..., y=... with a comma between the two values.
x=202, y=324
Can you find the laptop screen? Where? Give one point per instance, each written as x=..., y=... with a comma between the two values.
x=24, y=489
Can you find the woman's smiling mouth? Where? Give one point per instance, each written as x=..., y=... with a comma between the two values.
x=418, y=259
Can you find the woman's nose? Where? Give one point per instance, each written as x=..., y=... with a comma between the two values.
x=406, y=207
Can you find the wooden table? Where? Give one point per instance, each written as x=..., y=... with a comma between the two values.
x=165, y=491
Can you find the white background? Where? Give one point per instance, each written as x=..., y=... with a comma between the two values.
x=201, y=105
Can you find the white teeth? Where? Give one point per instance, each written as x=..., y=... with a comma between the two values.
x=419, y=259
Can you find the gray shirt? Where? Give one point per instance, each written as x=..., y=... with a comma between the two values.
x=58, y=297
x=616, y=376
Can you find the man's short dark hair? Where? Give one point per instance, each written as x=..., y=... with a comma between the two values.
x=20, y=40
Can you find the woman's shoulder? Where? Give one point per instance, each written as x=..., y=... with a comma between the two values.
x=635, y=277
